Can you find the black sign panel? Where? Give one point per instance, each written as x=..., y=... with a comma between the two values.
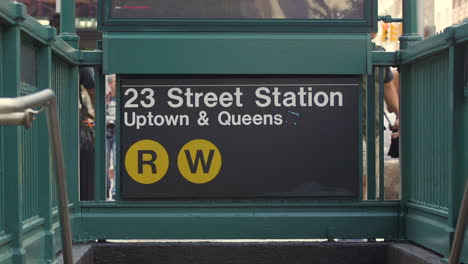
x=236, y=9
x=216, y=137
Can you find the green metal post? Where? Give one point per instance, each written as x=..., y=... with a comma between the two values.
x=67, y=23
x=458, y=174
x=370, y=137
x=44, y=162
x=74, y=142
x=381, y=135
x=13, y=173
x=410, y=24
x=100, y=145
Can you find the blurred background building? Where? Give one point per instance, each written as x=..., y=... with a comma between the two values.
x=86, y=14
x=435, y=15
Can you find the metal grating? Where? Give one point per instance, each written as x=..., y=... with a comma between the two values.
x=29, y=171
x=60, y=82
x=430, y=114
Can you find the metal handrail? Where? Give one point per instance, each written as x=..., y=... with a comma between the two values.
x=18, y=111
x=457, y=244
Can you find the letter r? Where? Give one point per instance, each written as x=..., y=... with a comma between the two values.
x=150, y=162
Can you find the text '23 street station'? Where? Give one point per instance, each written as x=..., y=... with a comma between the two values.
x=184, y=96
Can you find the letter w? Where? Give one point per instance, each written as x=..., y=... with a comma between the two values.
x=199, y=157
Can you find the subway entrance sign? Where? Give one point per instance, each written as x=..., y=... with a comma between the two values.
x=244, y=137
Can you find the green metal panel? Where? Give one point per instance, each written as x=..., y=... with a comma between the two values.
x=429, y=230
x=235, y=53
x=430, y=142
x=234, y=220
x=434, y=129
x=64, y=82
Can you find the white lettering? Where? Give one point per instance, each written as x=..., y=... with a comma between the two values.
x=171, y=95
x=259, y=95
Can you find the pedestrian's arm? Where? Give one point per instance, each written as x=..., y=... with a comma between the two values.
x=91, y=93
x=391, y=98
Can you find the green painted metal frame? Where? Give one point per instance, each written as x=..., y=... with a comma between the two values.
x=427, y=224
x=247, y=53
x=107, y=24
x=407, y=219
x=36, y=240
x=235, y=220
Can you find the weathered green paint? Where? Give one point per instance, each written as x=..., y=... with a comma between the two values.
x=235, y=53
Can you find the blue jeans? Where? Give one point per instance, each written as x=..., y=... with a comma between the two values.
x=110, y=162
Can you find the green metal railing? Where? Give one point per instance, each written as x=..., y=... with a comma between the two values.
x=434, y=142
x=430, y=176
x=434, y=149
x=20, y=112
x=29, y=217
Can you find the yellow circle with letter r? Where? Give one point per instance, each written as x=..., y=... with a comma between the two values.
x=199, y=161
x=146, y=161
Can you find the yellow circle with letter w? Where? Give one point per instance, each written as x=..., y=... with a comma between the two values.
x=199, y=161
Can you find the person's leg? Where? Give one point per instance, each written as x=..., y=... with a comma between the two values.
x=108, y=153
x=112, y=167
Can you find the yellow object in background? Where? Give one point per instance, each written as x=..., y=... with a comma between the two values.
x=396, y=30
